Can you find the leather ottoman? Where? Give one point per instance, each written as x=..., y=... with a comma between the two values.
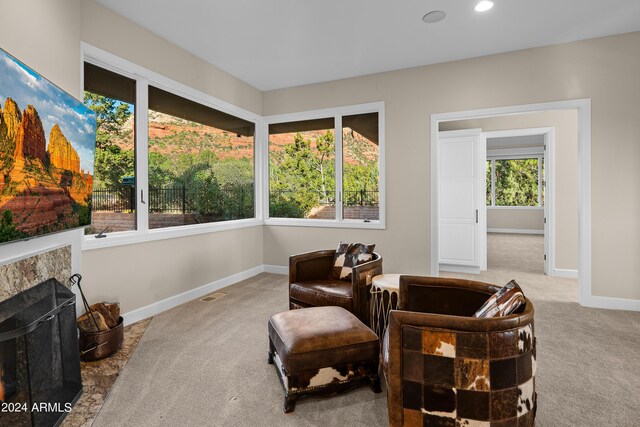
x=322, y=350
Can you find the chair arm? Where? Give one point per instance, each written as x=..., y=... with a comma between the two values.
x=311, y=265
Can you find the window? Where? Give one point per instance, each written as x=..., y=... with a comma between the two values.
x=200, y=163
x=318, y=173
x=360, y=175
x=302, y=169
x=515, y=182
x=113, y=98
x=171, y=161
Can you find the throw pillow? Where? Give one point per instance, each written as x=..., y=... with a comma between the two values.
x=348, y=255
x=504, y=302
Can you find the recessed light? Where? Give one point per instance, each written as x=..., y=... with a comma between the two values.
x=434, y=16
x=484, y=5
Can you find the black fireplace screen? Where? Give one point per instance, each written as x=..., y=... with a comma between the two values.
x=39, y=360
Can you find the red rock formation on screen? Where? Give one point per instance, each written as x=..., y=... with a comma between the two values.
x=38, y=183
x=11, y=117
x=30, y=139
x=61, y=154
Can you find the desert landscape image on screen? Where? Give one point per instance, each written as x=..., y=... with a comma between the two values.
x=47, y=147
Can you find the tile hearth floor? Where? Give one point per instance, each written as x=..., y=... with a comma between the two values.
x=98, y=378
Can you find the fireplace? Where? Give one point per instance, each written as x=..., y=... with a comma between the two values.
x=39, y=359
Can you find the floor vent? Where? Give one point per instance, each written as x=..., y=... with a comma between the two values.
x=212, y=297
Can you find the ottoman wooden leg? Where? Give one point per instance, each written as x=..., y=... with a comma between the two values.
x=289, y=404
x=374, y=383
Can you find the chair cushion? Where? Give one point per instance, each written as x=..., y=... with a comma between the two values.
x=508, y=300
x=316, y=337
x=323, y=292
x=349, y=255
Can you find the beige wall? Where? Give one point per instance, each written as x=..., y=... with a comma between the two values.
x=109, y=31
x=605, y=70
x=141, y=274
x=565, y=124
x=515, y=219
x=45, y=35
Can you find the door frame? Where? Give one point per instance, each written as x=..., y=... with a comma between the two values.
x=583, y=108
x=549, y=180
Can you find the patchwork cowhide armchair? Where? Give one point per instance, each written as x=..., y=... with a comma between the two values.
x=445, y=367
x=311, y=286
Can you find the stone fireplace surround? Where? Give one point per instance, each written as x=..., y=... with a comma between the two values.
x=22, y=274
x=24, y=264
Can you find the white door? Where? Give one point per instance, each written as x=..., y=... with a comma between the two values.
x=461, y=201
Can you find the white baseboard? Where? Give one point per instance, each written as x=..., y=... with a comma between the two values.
x=611, y=303
x=176, y=300
x=276, y=269
x=514, y=231
x=562, y=272
x=460, y=269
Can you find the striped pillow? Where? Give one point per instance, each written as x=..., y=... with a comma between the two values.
x=507, y=300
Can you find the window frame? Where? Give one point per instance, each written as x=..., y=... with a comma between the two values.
x=144, y=78
x=532, y=153
x=336, y=113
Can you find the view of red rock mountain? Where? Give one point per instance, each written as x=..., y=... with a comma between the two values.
x=195, y=137
x=41, y=185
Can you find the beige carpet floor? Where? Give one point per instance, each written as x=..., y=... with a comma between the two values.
x=204, y=363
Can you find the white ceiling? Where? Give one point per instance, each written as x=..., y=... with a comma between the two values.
x=272, y=44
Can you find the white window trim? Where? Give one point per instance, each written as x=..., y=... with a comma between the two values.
x=337, y=113
x=145, y=77
x=516, y=156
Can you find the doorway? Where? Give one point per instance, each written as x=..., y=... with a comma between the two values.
x=582, y=110
x=520, y=195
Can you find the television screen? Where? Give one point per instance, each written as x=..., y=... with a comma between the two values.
x=47, y=147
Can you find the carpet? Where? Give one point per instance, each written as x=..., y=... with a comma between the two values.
x=204, y=363
x=99, y=376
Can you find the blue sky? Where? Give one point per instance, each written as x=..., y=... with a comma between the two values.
x=76, y=121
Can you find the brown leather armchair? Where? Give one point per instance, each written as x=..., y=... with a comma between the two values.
x=445, y=367
x=311, y=286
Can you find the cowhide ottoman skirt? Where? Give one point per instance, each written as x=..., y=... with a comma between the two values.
x=322, y=350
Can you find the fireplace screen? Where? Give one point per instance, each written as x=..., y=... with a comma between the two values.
x=39, y=359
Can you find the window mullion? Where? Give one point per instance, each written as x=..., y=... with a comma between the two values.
x=338, y=167
x=261, y=149
x=142, y=154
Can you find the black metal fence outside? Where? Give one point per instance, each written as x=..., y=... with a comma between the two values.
x=360, y=198
x=236, y=199
x=327, y=198
x=120, y=199
x=174, y=199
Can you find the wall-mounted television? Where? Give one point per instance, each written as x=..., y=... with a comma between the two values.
x=47, y=149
